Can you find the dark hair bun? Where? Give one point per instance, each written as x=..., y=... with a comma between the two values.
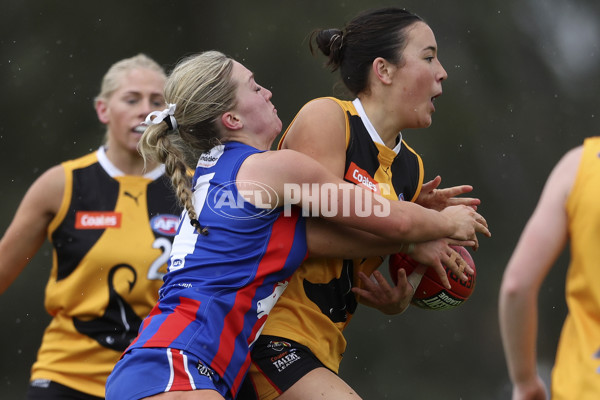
x=330, y=42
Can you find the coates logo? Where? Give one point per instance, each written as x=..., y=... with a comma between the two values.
x=97, y=219
x=165, y=224
x=228, y=197
x=361, y=177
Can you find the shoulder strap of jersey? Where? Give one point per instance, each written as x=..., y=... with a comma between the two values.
x=421, y=170
x=68, y=168
x=347, y=106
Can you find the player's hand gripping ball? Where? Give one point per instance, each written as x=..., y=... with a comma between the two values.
x=431, y=294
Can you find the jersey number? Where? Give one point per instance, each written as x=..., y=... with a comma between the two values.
x=165, y=245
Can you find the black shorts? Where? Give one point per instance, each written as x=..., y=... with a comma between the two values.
x=42, y=389
x=281, y=362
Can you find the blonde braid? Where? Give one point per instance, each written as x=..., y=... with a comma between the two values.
x=176, y=168
x=158, y=145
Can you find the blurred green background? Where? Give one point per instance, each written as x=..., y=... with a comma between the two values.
x=522, y=89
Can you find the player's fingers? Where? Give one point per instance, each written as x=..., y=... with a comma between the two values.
x=456, y=191
x=380, y=279
x=406, y=285
x=462, y=201
x=481, y=225
x=367, y=282
x=402, y=283
x=376, y=285
x=463, y=268
x=365, y=294
x=475, y=245
x=463, y=243
x=458, y=265
x=401, y=276
x=483, y=229
x=439, y=269
x=432, y=184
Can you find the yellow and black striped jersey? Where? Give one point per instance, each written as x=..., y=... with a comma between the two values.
x=318, y=303
x=111, y=240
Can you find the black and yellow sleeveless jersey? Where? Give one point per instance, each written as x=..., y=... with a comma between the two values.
x=111, y=239
x=318, y=303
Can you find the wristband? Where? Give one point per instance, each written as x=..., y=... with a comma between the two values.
x=407, y=248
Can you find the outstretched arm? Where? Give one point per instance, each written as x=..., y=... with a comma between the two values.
x=27, y=231
x=540, y=244
x=330, y=240
x=299, y=180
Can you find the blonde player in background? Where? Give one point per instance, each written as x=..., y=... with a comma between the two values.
x=568, y=212
x=111, y=224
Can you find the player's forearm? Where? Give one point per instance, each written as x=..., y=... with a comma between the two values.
x=518, y=327
x=17, y=248
x=419, y=224
x=328, y=239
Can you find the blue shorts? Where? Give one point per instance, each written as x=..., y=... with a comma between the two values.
x=144, y=372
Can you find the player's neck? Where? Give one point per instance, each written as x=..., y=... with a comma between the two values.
x=130, y=163
x=387, y=127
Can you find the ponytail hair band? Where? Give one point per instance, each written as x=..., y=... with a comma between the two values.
x=166, y=115
x=334, y=39
x=196, y=224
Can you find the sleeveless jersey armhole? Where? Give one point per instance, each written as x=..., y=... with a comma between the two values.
x=591, y=145
x=66, y=200
x=421, y=171
x=344, y=109
x=345, y=106
x=68, y=168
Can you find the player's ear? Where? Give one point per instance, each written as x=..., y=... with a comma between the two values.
x=382, y=70
x=231, y=121
x=102, y=111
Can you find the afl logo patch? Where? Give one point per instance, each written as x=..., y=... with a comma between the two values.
x=165, y=224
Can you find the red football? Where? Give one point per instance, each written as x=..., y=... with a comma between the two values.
x=431, y=294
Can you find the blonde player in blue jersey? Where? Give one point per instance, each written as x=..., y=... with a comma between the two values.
x=240, y=239
x=568, y=212
x=111, y=223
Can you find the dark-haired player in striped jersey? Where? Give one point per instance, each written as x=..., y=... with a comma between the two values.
x=388, y=59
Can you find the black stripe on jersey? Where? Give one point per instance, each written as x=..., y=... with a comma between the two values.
x=161, y=197
x=71, y=244
x=406, y=183
x=363, y=152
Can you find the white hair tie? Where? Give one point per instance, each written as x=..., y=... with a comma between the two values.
x=160, y=116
